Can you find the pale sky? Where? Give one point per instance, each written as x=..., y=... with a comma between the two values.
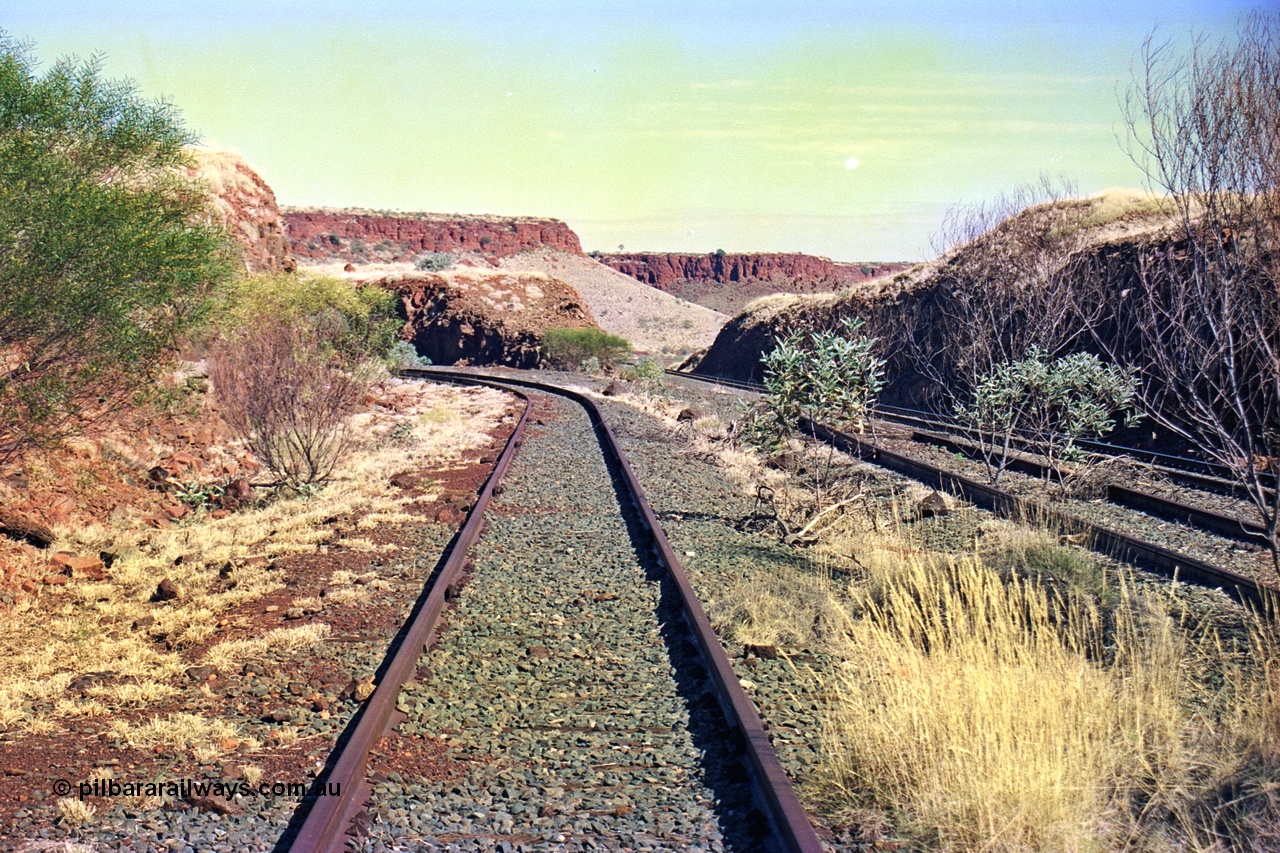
x=843, y=129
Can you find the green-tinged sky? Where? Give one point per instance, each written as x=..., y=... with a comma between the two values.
x=840, y=128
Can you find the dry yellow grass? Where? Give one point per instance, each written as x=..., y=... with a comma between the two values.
x=86, y=626
x=975, y=711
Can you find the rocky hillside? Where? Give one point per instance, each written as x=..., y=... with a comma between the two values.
x=473, y=315
x=364, y=236
x=912, y=301
x=653, y=321
x=727, y=282
x=247, y=207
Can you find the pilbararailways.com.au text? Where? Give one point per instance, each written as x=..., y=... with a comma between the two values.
x=187, y=788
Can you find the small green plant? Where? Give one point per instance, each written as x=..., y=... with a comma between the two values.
x=567, y=349
x=403, y=355
x=1051, y=404
x=591, y=365
x=199, y=495
x=401, y=433
x=647, y=371
x=434, y=261
x=830, y=377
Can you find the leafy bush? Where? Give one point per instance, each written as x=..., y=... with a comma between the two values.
x=566, y=349
x=403, y=355
x=107, y=249
x=647, y=371
x=355, y=323
x=830, y=377
x=434, y=261
x=1051, y=404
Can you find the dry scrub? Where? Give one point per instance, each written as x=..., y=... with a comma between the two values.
x=1015, y=697
x=104, y=627
x=978, y=711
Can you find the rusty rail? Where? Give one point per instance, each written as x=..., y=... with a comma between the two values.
x=1101, y=539
x=775, y=794
x=1212, y=522
x=326, y=827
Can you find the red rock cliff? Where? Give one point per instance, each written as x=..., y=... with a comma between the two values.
x=247, y=207
x=661, y=269
x=361, y=235
x=727, y=282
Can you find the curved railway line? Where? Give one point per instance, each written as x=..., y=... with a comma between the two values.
x=1097, y=537
x=580, y=668
x=580, y=672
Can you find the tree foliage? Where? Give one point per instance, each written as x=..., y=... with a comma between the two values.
x=1051, y=404
x=105, y=249
x=1197, y=310
x=829, y=377
x=354, y=323
x=567, y=349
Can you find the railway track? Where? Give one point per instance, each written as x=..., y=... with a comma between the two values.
x=1184, y=470
x=579, y=696
x=1171, y=510
x=1097, y=537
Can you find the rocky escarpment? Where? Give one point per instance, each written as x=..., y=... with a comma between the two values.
x=477, y=316
x=727, y=282
x=247, y=207
x=363, y=236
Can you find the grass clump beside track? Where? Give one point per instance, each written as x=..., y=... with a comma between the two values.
x=976, y=709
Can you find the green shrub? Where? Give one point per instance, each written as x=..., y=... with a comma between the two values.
x=830, y=377
x=403, y=355
x=566, y=349
x=107, y=248
x=356, y=323
x=1051, y=404
x=647, y=371
x=434, y=261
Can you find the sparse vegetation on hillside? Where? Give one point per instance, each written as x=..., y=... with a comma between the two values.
x=434, y=261
x=107, y=251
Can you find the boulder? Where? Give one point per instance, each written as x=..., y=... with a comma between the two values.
x=932, y=505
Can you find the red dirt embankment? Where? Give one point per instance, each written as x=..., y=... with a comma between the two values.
x=363, y=236
x=478, y=316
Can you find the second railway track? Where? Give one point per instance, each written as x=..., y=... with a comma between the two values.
x=571, y=704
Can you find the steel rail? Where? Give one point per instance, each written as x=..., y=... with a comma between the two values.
x=1192, y=516
x=327, y=825
x=774, y=791
x=1098, y=538
x=1199, y=473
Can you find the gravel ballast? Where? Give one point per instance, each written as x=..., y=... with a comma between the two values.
x=571, y=709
